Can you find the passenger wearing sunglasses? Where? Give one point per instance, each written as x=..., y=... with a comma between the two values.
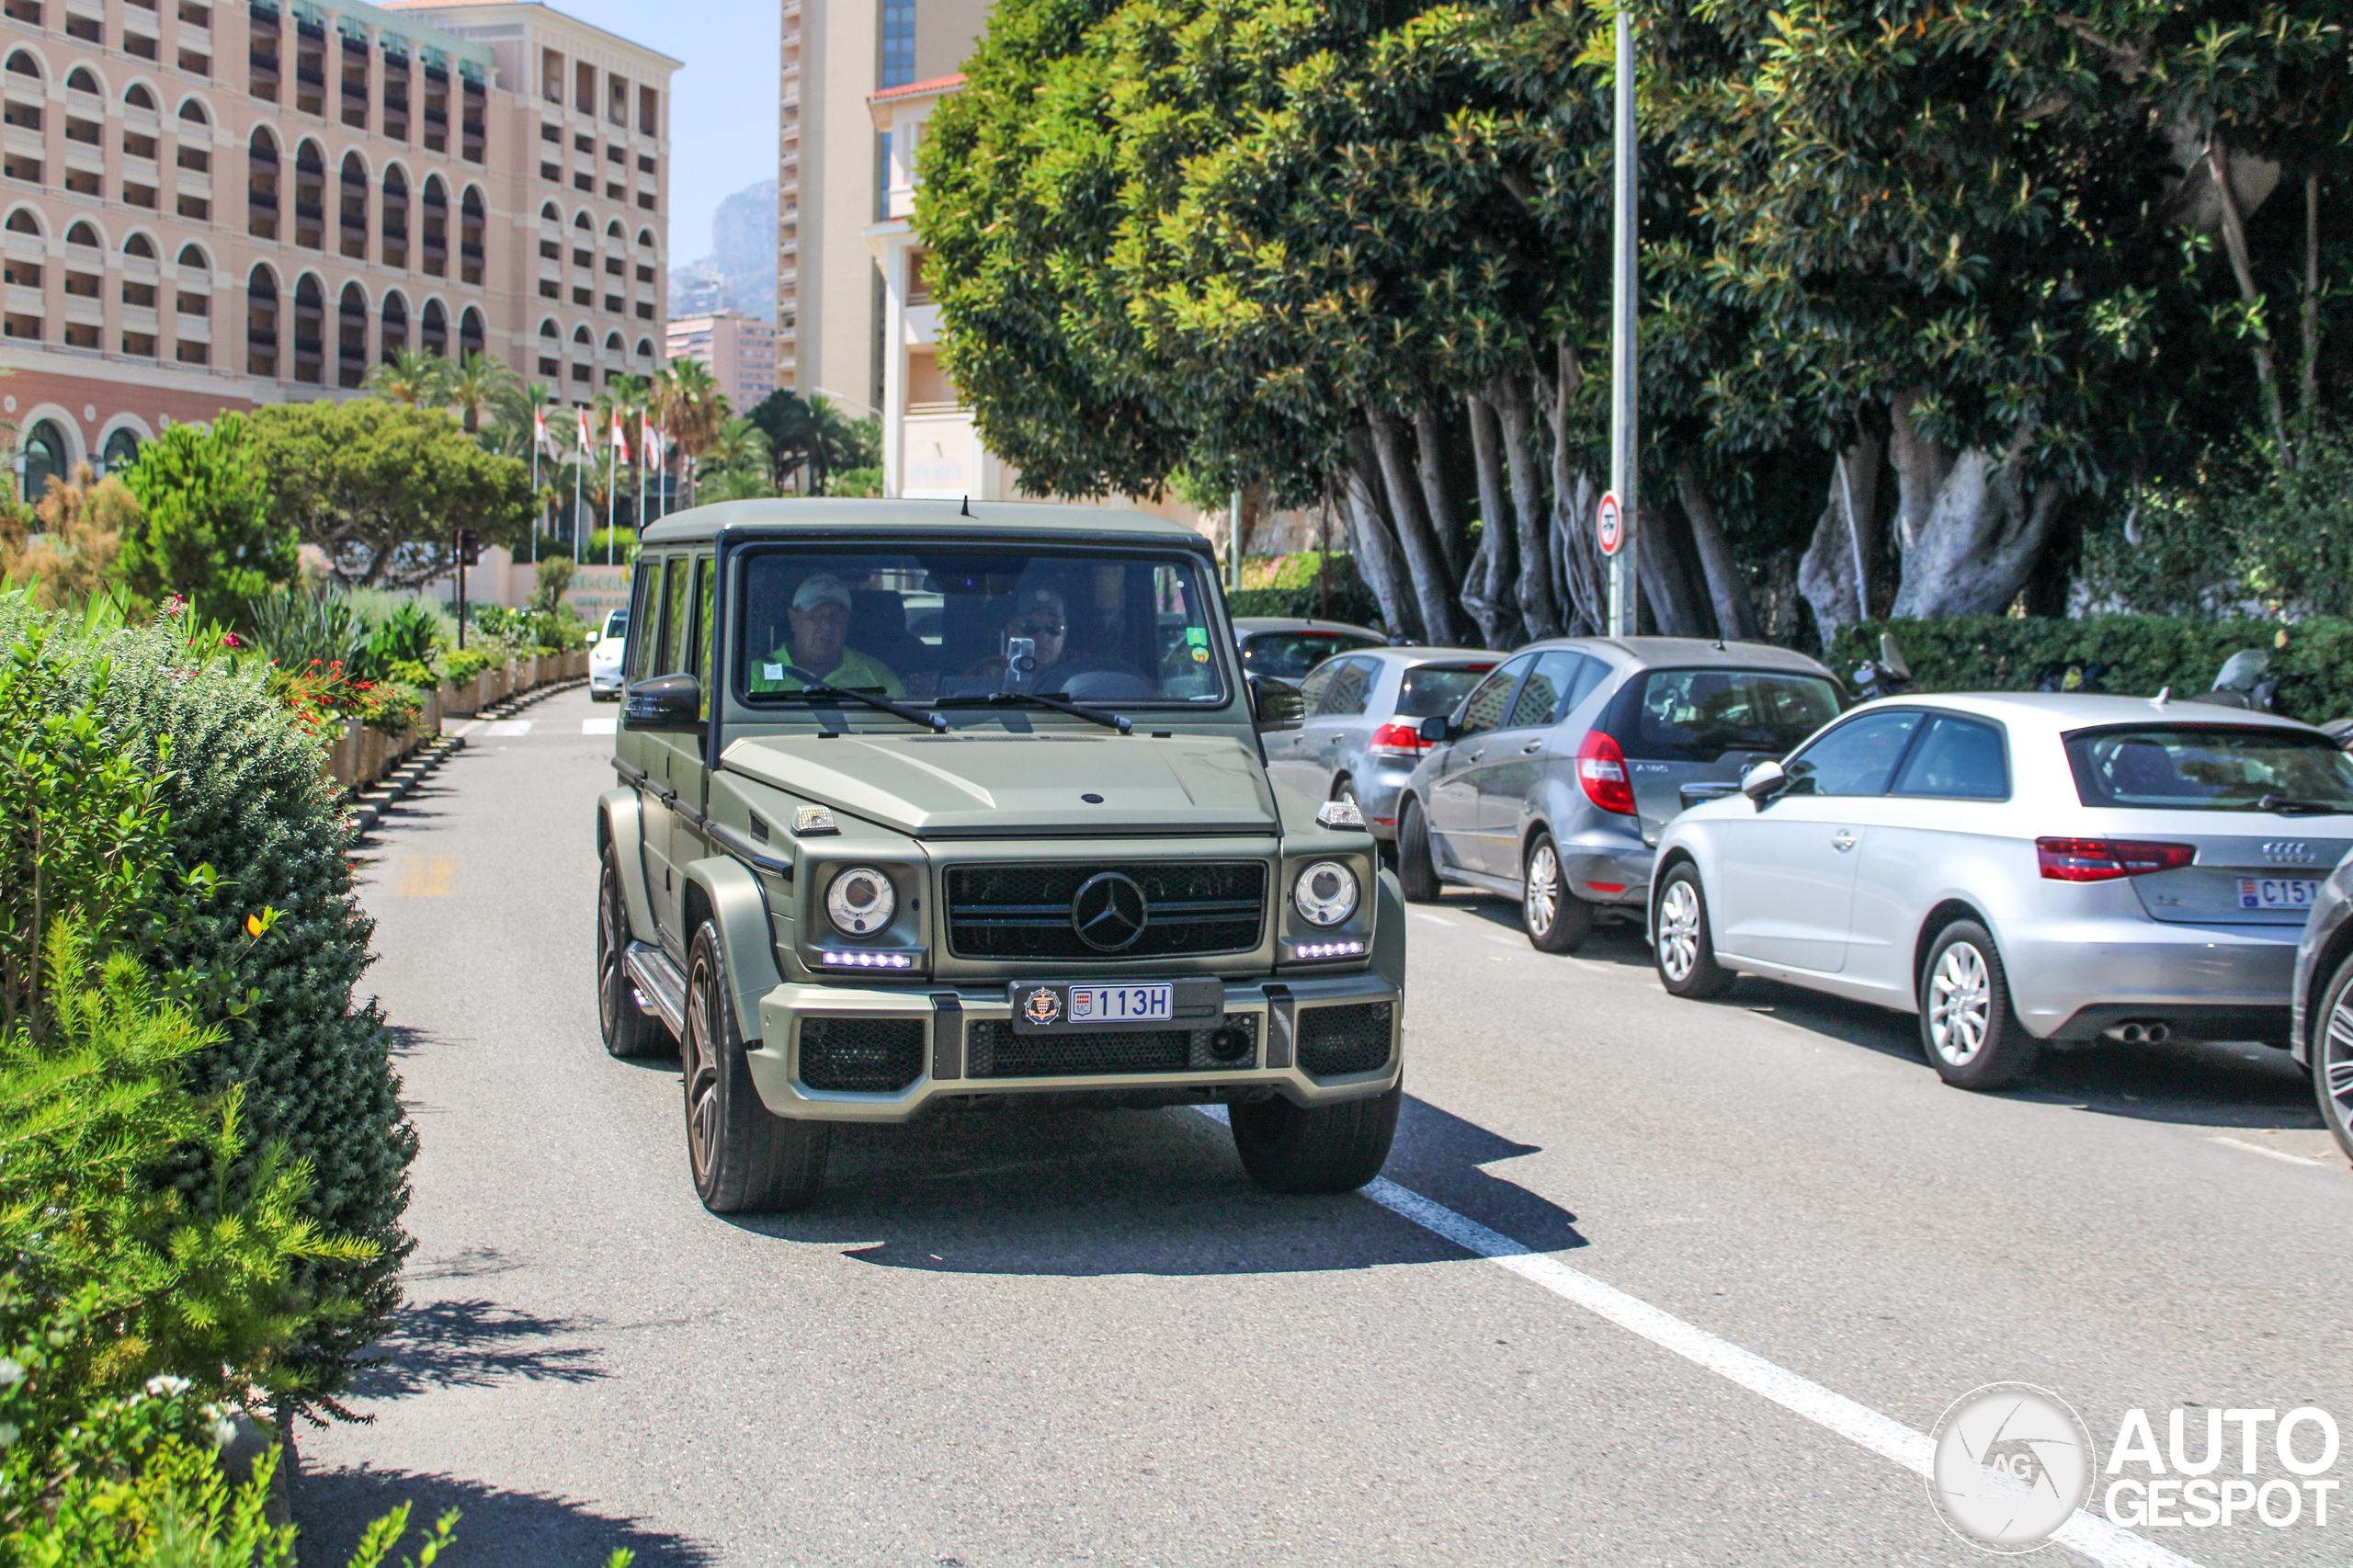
x=1038, y=614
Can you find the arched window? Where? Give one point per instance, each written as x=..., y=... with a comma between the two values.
x=310, y=319
x=433, y=329
x=351, y=337
x=435, y=240
x=46, y=457
x=261, y=323
x=122, y=450
x=22, y=64
x=472, y=217
x=613, y=344
x=471, y=338
x=395, y=222
x=310, y=197
x=193, y=112
x=580, y=335
x=81, y=81
x=352, y=225
x=580, y=221
x=547, y=329
x=646, y=349
x=138, y=97
x=22, y=222
x=395, y=324
x=548, y=213
x=583, y=349
x=645, y=239
x=140, y=245
x=261, y=185
x=613, y=230
x=191, y=255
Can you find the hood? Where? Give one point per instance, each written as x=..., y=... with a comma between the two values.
x=999, y=785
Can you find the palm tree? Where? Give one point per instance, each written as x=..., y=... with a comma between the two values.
x=740, y=446
x=474, y=385
x=511, y=427
x=692, y=409
x=412, y=377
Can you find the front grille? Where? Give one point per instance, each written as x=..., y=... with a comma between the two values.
x=993, y=1050
x=1354, y=1038
x=1023, y=912
x=870, y=1055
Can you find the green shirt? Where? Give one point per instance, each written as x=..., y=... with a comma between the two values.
x=857, y=672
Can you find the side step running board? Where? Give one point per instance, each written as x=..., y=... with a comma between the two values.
x=660, y=982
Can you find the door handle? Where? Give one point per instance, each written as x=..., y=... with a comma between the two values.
x=1532, y=748
x=1477, y=755
x=1842, y=840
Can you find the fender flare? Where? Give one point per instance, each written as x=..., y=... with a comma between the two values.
x=620, y=821
x=738, y=911
x=1389, y=929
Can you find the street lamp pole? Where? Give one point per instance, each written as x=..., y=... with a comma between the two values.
x=1625, y=436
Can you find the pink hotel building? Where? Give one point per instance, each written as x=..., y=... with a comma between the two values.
x=208, y=206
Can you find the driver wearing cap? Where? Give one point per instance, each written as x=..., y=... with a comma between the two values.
x=819, y=653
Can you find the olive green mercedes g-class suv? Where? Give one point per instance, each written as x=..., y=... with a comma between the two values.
x=921, y=804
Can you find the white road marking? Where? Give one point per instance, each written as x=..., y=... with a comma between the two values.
x=467, y=728
x=1506, y=941
x=507, y=727
x=2259, y=1149
x=600, y=726
x=1433, y=919
x=2108, y=1544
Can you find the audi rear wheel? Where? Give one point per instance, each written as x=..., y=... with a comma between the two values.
x=2331, y=1055
x=1967, y=1030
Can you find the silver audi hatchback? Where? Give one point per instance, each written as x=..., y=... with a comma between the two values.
x=1362, y=733
x=1552, y=780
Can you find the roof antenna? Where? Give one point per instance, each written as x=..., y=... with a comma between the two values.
x=966, y=509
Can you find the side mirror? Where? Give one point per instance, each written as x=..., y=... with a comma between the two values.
x=1764, y=781
x=1276, y=704
x=1438, y=729
x=670, y=703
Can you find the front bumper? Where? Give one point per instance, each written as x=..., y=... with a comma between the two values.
x=2071, y=980
x=605, y=680
x=1278, y=1013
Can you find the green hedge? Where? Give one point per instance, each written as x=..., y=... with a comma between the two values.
x=2143, y=653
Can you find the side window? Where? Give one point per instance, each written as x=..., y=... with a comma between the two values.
x=1856, y=758
x=644, y=619
x=1549, y=683
x=1956, y=759
x=1590, y=674
x=1351, y=688
x=706, y=601
x=1484, y=709
x=1319, y=680
x=670, y=654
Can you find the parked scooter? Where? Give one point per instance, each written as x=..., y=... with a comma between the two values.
x=2076, y=676
x=2243, y=682
x=1886, y=676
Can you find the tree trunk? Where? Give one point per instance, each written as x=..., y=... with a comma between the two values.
x=1487, y=586
x=1735, y=616
x=1578, y=573
x=1437, y=495
x=1377, y=559
x=1833, y=576
x=1972, y=533
x=1666, y=581
x=2267, y=375
x=1433, y=584
x=1537, y=608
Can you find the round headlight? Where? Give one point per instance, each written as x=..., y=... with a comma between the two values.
x=1325, y=894
x=859, y=901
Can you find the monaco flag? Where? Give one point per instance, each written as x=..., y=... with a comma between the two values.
x=620, y=437
x=540, y=428
x=583, y=428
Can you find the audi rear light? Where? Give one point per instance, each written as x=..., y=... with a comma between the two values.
x=1601, y=768
x=2106, y=859
x=1397, y=738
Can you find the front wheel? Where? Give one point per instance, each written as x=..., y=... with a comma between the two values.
x=1556, y=920
x=626, y=1031
x=744, y=1159
x=2331, y=1055
x=1417, y=873
x=1967, y=1030
x=1682, y=946
x=1333, y=1148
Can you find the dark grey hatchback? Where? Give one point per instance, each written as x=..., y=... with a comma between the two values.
x=1552, y=780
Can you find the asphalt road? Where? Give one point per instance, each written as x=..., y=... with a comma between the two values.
x=1049, y=1336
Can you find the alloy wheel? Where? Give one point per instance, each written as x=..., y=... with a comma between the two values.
x=2336, y=1064
x=1959, y=1004
x=1543, y=894
x=609, y=979
x=1678, y=931
x=702, y=1074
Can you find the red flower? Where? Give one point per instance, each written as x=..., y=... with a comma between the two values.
x=229, y=639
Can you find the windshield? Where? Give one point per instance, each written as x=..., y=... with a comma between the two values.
x=1698, y=715
x=615, y=625
x=2208, y=767
x=1430, y=689
x=1288, y=656
x=921, y=626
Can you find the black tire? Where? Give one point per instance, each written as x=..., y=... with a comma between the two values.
x=1556, y=920
x=2332, y=1056
x=626, y=1031
x=1967, y=1030
x=1333, y=1148
x=1417, y=873
x=744, y=1159
x=1683, y=945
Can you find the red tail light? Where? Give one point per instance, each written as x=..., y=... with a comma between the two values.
x=1397, y=739
x=2106, y=859
x=1601, y=768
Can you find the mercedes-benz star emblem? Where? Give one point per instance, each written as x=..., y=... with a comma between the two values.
x=1110, y=912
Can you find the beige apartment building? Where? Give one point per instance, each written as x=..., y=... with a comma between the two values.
x=738, y=351
x=217, y=206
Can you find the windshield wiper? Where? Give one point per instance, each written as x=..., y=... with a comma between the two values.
x=2289, y=803
x=881, y=704
x=1119, y=721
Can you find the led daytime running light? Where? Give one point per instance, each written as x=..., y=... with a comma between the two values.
x=1348, y=949
x=868, y=960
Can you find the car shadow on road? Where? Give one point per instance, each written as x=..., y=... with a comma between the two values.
x=517, y=1529
x=1616, y=937
x=1047, y=1190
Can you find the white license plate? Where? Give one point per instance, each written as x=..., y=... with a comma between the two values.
x=2277, y=892
x=1121, y=1003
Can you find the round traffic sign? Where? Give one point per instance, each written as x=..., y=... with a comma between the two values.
x=1610, y=526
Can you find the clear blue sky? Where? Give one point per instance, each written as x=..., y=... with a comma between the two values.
x=723, y=101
